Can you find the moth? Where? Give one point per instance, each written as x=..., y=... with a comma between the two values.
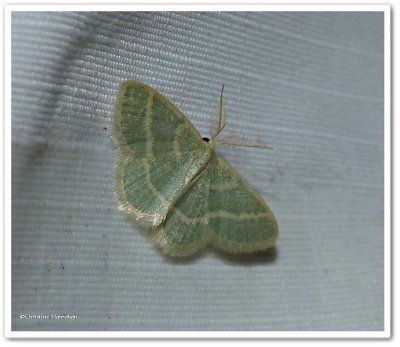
x=172, y=183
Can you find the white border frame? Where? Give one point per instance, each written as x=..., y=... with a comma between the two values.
x=197, y=334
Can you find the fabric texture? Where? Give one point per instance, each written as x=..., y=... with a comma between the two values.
x=309, y=84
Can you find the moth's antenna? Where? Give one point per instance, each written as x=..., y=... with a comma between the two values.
x=220, y=117
x=230, y=140
x=240, y=141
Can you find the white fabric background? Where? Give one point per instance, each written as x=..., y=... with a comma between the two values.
x=308, y=84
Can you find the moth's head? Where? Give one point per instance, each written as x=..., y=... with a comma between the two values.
x=210, y=142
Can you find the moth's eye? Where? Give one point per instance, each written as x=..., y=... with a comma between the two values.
x=206, y=139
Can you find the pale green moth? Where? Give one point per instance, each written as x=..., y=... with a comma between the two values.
x=172, y=183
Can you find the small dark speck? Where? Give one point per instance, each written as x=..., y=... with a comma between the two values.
x=105, y=128
x=206, y=139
